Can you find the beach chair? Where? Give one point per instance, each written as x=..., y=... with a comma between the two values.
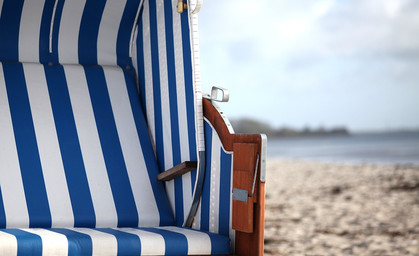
x=107, y=144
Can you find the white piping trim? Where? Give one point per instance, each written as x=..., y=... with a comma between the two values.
x=134, y=28
x=52, y=25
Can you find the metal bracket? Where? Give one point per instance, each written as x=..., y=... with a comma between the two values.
x=240, y=195
x=225, y=95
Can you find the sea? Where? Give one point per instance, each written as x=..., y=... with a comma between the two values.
x=396, y=148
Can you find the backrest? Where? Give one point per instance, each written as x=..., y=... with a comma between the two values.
x=75, y=149
x=93, y=32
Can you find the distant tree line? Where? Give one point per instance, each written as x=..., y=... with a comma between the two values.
x=247, y=125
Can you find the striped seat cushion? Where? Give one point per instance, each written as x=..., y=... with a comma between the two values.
x=111, y=241
x=75, y=150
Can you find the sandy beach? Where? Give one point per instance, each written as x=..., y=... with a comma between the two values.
x=340, y=209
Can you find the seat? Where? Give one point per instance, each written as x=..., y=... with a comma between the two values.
x=77, y=166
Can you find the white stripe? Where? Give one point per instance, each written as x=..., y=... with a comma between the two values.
x=170, y=191
x=68, y=38
x=49, y=149
x=187, y=193
x=91, y=149
x=8, y=242
x=52, y=243
x=134, y=53
x=30, y=25
x=164, y=98
x=198, y=242
x=148, y=71
x=108, y=32
x=215, y=183
x=180, y=85
x=131, y=148
x=181, y=104
x=11, y=184
x=164, y=86
x=102, y=243
x=151, y=243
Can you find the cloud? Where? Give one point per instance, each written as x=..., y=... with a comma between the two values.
x=311, y=60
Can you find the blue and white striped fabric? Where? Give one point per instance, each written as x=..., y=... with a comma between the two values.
x=77, y=166
x=67, y=32
x=111, y=241
x=215, y=211
x=163, y=61
x=75, y=150
x=24, y=30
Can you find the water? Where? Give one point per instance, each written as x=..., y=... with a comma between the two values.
x=381, y=148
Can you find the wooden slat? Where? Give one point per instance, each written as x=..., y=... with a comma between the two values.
x=177, y=171
x=244, y=160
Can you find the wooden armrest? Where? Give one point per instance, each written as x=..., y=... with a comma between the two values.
x=177, y=171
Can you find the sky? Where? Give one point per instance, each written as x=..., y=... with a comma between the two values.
x=322, y=63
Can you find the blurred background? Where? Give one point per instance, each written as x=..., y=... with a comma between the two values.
x=326, y=80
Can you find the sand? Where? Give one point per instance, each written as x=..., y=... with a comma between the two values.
x=340, y=209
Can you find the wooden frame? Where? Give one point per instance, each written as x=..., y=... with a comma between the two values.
x=248, y=241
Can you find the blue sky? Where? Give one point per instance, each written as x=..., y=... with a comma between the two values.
x=314, y=63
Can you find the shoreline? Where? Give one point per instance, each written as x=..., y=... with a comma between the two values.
x=344, y=162
x=318, y=208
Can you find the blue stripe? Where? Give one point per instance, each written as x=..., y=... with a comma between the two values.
x=205, y=201
x=9, y=29
x=189, y=89
x=156, y=85
x=124, y=33
x=27, y=148
x=225, y=189
x=56, y=28
x=174, y=118
x=78, y=243
x=44, y=56
x=175, y=243
x=140, y=60
x=89, y=30
x=81, y=200
x=111, y=148
x=27, y=243
x=165, y=212
x=2, y=212
x=219, y=244
x=128, y=244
